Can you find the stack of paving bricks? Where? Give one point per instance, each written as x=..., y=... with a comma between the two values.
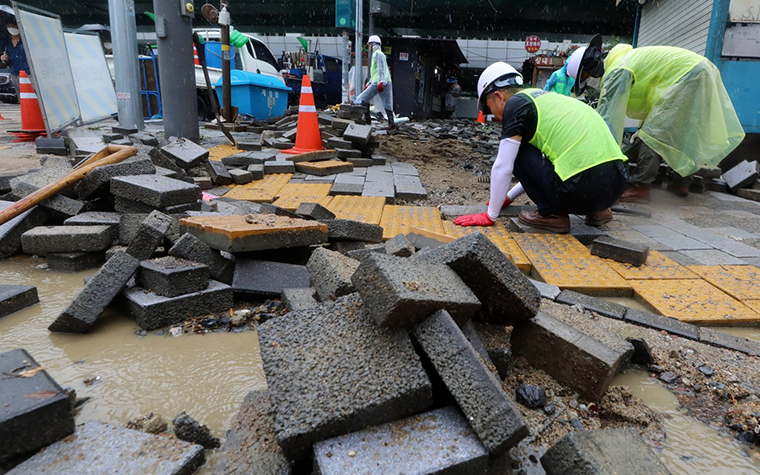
x=344, y=367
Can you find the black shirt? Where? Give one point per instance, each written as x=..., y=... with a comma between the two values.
x=520, y=118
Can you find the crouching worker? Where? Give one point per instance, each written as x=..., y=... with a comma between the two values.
x=559, y=148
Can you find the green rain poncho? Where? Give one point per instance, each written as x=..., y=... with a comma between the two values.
x=688, y=118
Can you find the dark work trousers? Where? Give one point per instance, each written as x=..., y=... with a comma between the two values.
x=587, y=192
x=647, y=166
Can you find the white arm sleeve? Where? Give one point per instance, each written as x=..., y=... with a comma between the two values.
x=501, y=175
x=516, y=191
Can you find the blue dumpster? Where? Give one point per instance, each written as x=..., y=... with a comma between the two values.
x=257, y=95
x=214, y=55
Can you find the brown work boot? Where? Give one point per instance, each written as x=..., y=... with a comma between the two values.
x=678, y=190
x=600, y=217
x=556, y=223
x=636, y=194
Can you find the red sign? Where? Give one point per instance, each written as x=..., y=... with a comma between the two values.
x=532, y=44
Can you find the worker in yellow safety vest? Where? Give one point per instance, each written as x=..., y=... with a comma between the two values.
x=688, y=118
x=559, y=148
x=379, y=80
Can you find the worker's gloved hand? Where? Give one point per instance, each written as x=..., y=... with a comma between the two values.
x=380, y=87
x=507, y=202
x=480, y=219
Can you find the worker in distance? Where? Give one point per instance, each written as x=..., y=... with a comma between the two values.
x=688, y=118
x=379, y=80
x=559, y=148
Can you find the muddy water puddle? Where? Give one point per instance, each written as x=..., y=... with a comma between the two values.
x=691, y=447
x=207, y=376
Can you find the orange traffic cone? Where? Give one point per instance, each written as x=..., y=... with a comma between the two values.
x=481, y=118
x=32, y=124
x=308, y=137
x=195, y=57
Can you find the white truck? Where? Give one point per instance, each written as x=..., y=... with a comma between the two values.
x=254, y=57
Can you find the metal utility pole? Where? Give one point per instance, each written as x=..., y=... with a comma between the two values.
x=346, y=58
x=358, y=84
x=174, y=33
x=126, y=65
x=224, y=22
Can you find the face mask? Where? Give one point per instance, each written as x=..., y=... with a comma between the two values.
x=593, y=82
x=107, y=45
x=13, y=31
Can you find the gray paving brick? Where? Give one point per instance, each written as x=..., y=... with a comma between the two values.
x=602, y=451
x=44, y=240
x=742, y=175
x=103, y=448
x=14, y=298
x=241, y=177
x=721, y=339
x=320, y=179
x=155, y=190
x=75, y=261
x=256, y=278
x=331, y=273
x=357, y=133
x=350, y=230
x=21, y=432
x=600, y=306
x=256, y=171
x=185, y=153
x=681, y=242
x=250, y=158
x=347, y=189
x=399, y=246
x=654, y=231
x=193, y=249
x=478, y=393
x=409, y=188
x=250, y=446
x=399, y=292
x=100, y=291
x=284, y=166
x=658, y=322
x=713, y=257
x=504, y=291
x=374, y=188
x=335, y=352
x=97, y=181
x=314, y=211
x=171, y=276
x=60, y=207
x=95, y=218
x=619, y=250
x=218, y=172
x=435, y=442
x=547, y=291
x=571, y=357
x=151, y=311
x=299, y=298
x=681, y=258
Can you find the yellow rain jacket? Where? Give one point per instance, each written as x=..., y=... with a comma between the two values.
x=688, y=118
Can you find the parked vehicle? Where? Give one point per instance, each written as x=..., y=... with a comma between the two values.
x=325, y=72
x=7, y=93
x=254, y=57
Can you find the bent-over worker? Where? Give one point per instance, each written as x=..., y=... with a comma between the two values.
x=559, y=148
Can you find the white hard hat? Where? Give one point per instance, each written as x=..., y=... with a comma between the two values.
x=496, y=76
x=374, y=39
x=574, y=64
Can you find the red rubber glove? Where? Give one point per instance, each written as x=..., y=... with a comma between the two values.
x=480, y=219
x=380, y=87
x=507, y=202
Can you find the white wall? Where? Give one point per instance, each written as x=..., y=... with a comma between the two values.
x=682, y=23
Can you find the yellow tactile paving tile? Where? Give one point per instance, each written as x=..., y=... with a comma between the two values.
x=292, y=195
x=740, y=282
x=540, y=243
x=694, y=301
x=657, y=267
x=255, y=224
x=260, y=191
x=753, y=304
x=399, y=219
x=367, y=209
x=221, y=151
x=561, y=260
x=497, y=234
